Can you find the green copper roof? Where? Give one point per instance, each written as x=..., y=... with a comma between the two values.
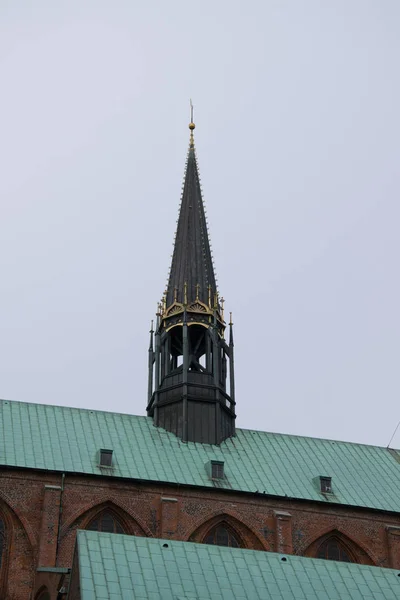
x=69, y=439
x=116, y=567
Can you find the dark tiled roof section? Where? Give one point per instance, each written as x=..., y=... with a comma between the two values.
x=191, y=260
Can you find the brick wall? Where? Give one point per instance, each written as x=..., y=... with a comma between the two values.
x=43, y=512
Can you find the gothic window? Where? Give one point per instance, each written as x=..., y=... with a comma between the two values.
x=333, y=549
x=106, y=521
x=222, y=536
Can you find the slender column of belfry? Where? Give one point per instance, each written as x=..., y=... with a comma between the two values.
x=185, y=369
x=151, y=360
x=190, y=393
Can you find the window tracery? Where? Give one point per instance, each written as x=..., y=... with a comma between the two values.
x=221, y=535
x=333, y=549
x=107, y=522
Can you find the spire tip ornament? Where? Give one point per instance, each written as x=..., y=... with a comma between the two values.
x=191, y=124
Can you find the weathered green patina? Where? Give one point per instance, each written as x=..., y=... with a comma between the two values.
x=118, y=567
x=62, y=439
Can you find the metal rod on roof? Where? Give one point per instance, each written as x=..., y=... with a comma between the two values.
x=394, y=433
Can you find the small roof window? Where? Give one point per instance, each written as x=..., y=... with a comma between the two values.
x=106, y=458
x=217, y=469
x=326, y=484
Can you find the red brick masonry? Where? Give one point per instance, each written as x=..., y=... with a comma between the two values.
x=42, y=512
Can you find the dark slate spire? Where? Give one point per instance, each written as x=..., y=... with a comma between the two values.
x=191, y=371
x=191, y=260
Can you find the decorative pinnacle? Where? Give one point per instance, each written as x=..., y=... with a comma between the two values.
x=151, y=337
x=164, y=303
x=215, y=299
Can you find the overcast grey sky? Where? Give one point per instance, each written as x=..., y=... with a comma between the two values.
x=297, y=135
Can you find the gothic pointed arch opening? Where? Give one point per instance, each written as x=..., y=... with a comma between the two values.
x=225, y=530
x=106, y=521
x=107, y=517
x=14, y=533
x=334, y=549
x=335, y=545
x=223, y=535
x=43, y=594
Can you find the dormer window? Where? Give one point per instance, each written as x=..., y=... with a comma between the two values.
x=106, y=458
x=326, y=484
x=217, y=469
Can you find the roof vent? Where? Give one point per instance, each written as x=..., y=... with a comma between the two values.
x=326, y=484
x=106, y=458
x=217, y=469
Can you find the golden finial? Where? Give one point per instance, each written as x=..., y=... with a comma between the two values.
x=197, y=290
x=222, y=308
x=230, y=319
x=191, y=124
x=209, y=296
x=185, y=293
x=175, y=294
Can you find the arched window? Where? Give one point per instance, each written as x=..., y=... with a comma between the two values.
x=333, y=549
x=221, y=535
x=106, y=521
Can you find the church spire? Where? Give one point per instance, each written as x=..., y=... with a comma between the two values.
x=190, y=392
x=191, y=260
